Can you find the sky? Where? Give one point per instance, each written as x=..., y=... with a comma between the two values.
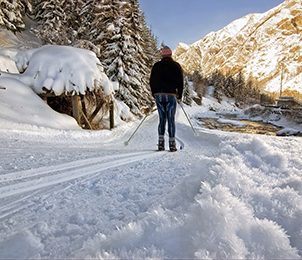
x=174, y=21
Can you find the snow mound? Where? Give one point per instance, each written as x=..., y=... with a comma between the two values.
x=62, y=69
x=6, y=62
x=19, y=101
x=216, y=225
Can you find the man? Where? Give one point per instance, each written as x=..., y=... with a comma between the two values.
x=166, y=82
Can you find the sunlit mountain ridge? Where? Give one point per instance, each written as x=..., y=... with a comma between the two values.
x=265, y=48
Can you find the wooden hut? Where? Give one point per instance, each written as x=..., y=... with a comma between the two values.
x=71, y=80
x=83, y=108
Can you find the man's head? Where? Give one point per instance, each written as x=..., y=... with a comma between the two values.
x=166, y=52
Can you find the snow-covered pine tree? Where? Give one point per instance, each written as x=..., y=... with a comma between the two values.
x=138, y=67
x=149, y=43
x=73, y=19
x=101, y=28
x=51, y=19
x=11, y=13
x=79, y=17
x=120, y=59
x=118, y=31
x=56, y=20
x=65, y=22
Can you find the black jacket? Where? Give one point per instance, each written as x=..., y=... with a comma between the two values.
x=167, y=77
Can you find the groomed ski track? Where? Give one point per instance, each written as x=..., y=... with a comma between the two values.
x=62, y=177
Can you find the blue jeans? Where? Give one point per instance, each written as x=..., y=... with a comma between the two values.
x=166, y=106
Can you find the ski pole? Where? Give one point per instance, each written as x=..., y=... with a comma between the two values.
x=195, y=133
x=127, y=142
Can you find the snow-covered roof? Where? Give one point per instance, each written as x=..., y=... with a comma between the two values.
x=62, y=69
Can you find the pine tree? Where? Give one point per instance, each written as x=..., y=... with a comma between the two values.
x=139, y=70
x=50, y=17
x=120, y=34
x=58, y=20
x=80, y=18
x=240, y=88
x=80, y=15
x=150, y=44
x=73, y=19
x=11, y=13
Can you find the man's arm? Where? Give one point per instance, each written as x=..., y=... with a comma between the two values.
x=153, y=79
x=180, y=83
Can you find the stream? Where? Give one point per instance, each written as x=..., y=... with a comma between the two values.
x=240, y=126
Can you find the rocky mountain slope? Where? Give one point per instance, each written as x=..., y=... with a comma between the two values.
x=264, y=47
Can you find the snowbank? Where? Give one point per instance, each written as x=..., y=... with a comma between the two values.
x=62, y=69
x=7, y=63
x=234, y=205
x=21, y=108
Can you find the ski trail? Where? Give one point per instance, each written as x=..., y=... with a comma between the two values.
x=13, y=204
x=16, y=205
x=70, y=173
x=62, y=167
x=181, y=143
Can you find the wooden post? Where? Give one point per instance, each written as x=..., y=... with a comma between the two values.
x=111, y=114
x=87, y=121
x=76, y=110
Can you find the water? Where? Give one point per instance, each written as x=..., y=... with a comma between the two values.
x=240, y=125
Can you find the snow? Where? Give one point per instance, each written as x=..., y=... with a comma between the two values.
x=72, y=193
x=60, y=69
x=183, y=45
x=17, y=102
x=8, y=64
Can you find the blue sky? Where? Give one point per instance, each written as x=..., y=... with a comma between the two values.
x=174, y=21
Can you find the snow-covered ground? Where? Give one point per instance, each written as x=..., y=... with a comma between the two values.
x=72, y=193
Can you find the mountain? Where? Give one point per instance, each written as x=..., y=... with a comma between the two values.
x=265, y=48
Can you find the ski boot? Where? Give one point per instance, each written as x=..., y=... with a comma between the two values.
x=161, y=144
x=172, y=146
